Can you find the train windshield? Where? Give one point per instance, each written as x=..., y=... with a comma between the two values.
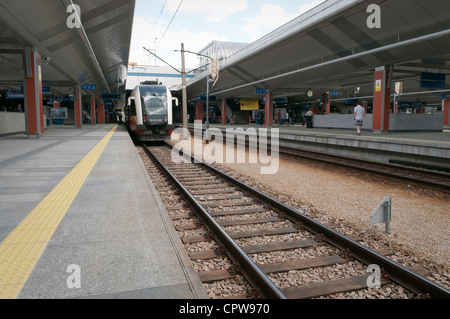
x=154, y=100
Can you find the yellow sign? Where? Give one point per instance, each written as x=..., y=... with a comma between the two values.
x=249, y=104
x=378, y=86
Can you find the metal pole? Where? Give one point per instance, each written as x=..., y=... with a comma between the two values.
x=388, y=214
x=184, y=94
x=207, y=110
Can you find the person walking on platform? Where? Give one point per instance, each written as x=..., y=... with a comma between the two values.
x=18, y=108
x=308, y=117
x=358, y=116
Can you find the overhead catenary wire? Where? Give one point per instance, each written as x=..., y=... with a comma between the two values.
x=162, y=60
x=173, y=17
x=157, y=20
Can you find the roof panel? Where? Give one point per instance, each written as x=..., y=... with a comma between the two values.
x=332, y=41
x=43, y=25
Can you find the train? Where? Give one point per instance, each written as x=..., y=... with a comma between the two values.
x=148, y=113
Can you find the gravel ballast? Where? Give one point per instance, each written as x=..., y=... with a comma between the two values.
x=420, y=219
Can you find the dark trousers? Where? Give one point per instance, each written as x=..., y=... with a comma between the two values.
x=308, y=121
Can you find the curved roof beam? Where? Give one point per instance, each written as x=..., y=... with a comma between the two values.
x=416, y=40
x=84, y=38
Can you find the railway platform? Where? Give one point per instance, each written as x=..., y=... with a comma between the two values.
x=79, y=218
x=421, y=149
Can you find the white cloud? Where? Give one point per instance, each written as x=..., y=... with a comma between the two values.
x=271, y=16
x=307, y=6
x=211, y=10
x=268, y=19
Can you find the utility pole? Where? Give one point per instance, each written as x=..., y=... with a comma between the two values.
x=208, y=80
x=183, y=82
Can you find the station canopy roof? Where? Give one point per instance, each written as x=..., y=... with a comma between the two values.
x=332, y=48
x=93, y=54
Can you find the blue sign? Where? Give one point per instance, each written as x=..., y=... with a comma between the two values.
x=14, y=95
x=44, y=88
x=89, y=87
x=334, y=93
x=280, y=100
x=351, y=101
x=111, y=96
x=212, y=98
x=261, y=91
x=432, y=80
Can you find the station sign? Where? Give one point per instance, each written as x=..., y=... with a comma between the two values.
x=212, y=98
x=351, y=101
x=89, y=87
x=44, y=88
x=334, y=93
x=261, y=91
x=249, y=104
x=432, y=80
x=411, y=103
x=14, y=95
x=280, y=100
x=111, y=96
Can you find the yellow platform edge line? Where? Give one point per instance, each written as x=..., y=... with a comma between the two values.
x=21, y=250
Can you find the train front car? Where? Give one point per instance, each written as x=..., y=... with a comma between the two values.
x=149, y=111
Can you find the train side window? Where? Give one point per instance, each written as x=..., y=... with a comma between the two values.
x=133, y=107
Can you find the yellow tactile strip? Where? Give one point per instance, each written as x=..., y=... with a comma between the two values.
x=23, y=247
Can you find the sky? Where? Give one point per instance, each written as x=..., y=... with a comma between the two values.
x=162, y=25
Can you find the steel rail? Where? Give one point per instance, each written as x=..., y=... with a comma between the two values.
x=395, y=271
x=375, y=168
x=382, y=167
x=253, y=272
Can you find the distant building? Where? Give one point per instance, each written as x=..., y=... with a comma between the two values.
x=161, y=74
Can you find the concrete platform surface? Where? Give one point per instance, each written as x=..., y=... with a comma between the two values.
x=427, y=149
x=114, y=240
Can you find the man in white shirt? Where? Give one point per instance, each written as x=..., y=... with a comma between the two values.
x=358, y=116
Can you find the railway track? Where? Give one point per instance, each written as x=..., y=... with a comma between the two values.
x=436, y=180
x=251, y=228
